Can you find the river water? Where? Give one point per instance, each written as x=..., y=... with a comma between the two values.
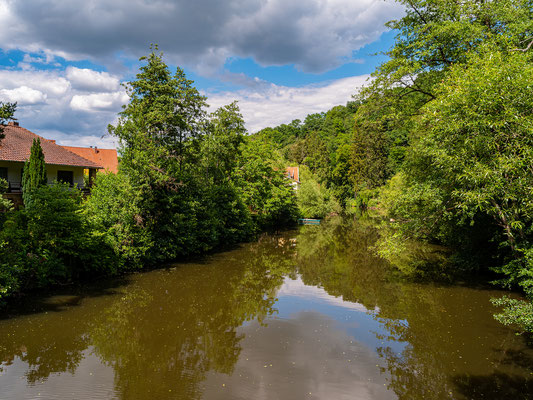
x=304, y=314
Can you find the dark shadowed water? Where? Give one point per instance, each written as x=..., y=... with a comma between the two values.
x=308, y=314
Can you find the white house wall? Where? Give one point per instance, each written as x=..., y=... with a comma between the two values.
x=14, y=172
x=51, y=171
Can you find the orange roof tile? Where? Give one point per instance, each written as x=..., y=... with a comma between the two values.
x=107, y=158
x=16, y=146
x=293, y=173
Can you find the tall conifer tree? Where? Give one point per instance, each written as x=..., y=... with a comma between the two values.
x=34, y=175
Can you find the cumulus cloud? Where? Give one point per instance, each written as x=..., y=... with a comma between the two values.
x=315, y=35
x=98, y=102
x=90, y=80
x=58, y=104
x=49, y=82
x=23, y=95
x=280, y=104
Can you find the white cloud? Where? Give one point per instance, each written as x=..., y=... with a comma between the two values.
x=96, y=102
x=23, y=95
x=297, y=288
x=88, y=79
x=314, y=35
x=49, y=82
x=280, y=104
x=53, y=106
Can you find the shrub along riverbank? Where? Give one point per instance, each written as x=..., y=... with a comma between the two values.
x=189, y=182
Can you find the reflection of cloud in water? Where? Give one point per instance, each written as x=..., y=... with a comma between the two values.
x=297, y=288
x=354, y=318
x=304, y=357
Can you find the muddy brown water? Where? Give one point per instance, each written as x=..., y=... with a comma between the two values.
x=304, y=314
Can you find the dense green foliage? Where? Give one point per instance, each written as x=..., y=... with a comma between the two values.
x=323, y=143
x=49, y=241
x=5, y=204
x=349, y=151
x=314, y=199
x=34, y=175
x=188, y=181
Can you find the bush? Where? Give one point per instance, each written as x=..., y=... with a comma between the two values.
x=114, y=210
x=515, y=312
x=50, y=242
x=315, y=200
x=5, y=205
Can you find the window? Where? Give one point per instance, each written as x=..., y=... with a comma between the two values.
x=66, y=177
x=3, y=173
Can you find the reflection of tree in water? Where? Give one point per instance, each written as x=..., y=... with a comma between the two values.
x=46, y=349
x=165, y=330
x=171, y=328
x=450, y=343
x=337, y=257
x=454, y=348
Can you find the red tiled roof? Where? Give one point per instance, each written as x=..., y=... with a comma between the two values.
x=16, y=146
x=293, y=173
x=107, y=158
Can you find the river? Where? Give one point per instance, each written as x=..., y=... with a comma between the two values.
x=304, y=314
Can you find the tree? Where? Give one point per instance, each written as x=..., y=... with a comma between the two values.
x=264, y=188
x=314, y=200
x=220, y=147
x=34, y=174
x=436, y=34
x=433, y=36
x=7, y=110
x=5, y=204
x=472, y=159
x=159, y=132
x=158, y=128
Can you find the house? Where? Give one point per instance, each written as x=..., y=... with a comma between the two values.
x=107, y=158
x=293, y=173
x=61, y=164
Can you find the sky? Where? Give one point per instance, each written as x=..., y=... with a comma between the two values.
x=63, y=62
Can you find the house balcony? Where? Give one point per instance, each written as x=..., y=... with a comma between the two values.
x=16, y=187
x=14, y=192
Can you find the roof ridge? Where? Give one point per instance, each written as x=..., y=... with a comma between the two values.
x=16, y=148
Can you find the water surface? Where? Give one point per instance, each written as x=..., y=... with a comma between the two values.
x=307, y=314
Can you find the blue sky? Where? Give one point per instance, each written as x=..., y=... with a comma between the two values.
x=63, y=62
